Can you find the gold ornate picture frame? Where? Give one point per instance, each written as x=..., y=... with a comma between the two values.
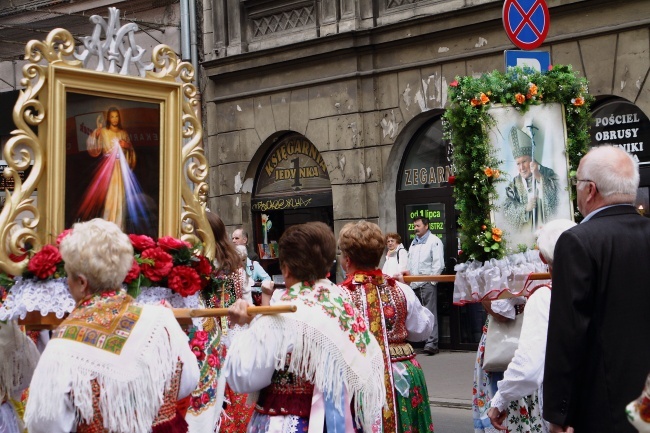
x=57, y=88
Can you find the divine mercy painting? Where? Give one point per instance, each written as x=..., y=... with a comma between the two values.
x=112, y=162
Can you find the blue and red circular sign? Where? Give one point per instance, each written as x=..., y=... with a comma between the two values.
x=526, y=22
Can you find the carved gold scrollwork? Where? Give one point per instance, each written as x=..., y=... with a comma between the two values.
x=22, y=222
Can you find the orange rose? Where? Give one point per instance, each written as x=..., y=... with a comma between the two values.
x=496, y=231
x=532, y=89
x=520, y=98
x=483, y=227
x=496, y=238
x=579, y=101
x=488, y=172
x=484, y=98
x=475, y=102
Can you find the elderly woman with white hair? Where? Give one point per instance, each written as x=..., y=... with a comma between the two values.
x=112, y=365
x=525, y=372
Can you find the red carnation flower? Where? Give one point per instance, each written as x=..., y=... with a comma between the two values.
x=451, y=179
x=184, y=280
x=44, y=262
x=141, y=242
x=134, y=272
x=162, y=264
x=203, y=266
x=62, y=236
x=168, y=243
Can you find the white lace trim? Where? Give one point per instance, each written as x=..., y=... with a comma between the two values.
x=477, y=280
x=53, y=296
x=49, y=296
x=155, y=295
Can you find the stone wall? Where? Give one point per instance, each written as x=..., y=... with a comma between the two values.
x=360, y=95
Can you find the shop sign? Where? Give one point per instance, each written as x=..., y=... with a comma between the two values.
x=434, y=212
x=294, y=202
x=293, y=165
x=623, y=124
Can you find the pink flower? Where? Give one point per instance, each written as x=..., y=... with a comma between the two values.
x=201, y=336
x=168, y=243
x=141, y=242
x=348, y=308
x=213, y=361
x=453, y=83
x=62, y=236
x=361, y=324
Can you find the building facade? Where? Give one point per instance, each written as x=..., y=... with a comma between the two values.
x=330, y=110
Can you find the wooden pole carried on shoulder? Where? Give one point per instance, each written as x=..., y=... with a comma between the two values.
x=184, y=313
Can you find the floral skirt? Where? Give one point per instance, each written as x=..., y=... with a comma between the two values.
x=524, y=415
x=412, y=397
x=237, y=413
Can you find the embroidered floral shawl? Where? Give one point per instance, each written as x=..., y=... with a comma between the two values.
x=329, y=344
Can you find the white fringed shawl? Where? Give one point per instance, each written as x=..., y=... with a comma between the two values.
x=319, y=337
x=132, y=382
x=19, y=356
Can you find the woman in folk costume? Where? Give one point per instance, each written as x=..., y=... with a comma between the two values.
x=204, y=415
x=308, y=366
x=394, y=314
x=17, y=364
x=112, y=366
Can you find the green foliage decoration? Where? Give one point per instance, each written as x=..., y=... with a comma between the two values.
x=476, y=168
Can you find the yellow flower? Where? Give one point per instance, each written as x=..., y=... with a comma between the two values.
x=372, y=297
x=374, y=327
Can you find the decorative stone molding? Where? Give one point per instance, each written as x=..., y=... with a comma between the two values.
x=283, y=21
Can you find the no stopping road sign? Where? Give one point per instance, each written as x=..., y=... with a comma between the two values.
x=526, y=22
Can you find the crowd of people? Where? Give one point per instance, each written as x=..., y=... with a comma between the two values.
x=343, y=361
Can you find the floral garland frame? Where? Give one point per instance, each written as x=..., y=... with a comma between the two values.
x=476, y=169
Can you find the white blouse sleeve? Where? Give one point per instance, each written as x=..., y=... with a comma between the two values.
x=419, y=320
x=525, y=372
x=241, y=371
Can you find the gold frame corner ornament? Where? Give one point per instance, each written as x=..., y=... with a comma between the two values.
x=39, y=140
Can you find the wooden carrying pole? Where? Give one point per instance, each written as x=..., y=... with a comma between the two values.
x=184, y=313
x=452, y=278
x=34, y=320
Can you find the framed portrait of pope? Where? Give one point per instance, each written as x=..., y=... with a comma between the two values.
x=534, y=187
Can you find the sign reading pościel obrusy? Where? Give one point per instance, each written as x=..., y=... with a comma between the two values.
x=623, y=124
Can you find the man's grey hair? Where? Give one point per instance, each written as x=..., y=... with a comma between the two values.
x=549, y=234
x=614, y=175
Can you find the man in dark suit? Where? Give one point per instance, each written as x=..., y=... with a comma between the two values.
x=598, y=347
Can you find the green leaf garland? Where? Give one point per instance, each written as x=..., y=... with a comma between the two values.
x=476, y=168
